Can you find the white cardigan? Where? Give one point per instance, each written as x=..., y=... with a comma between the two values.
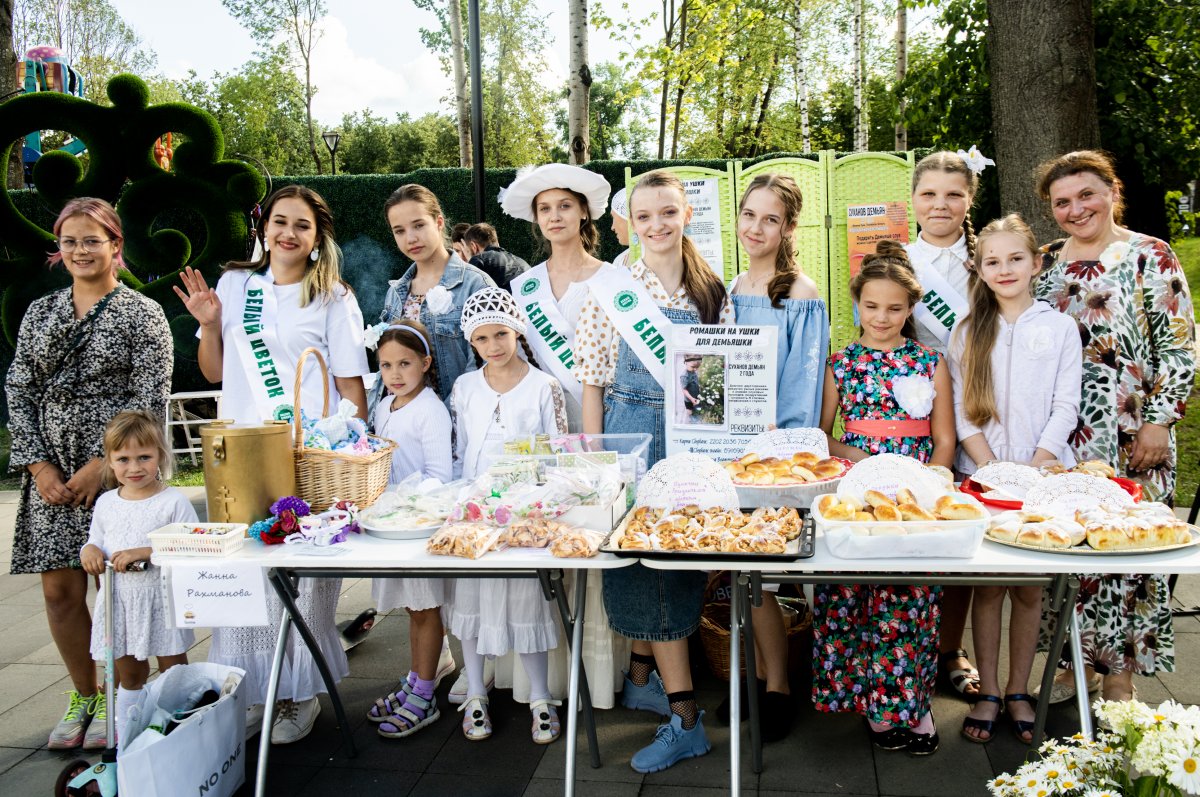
x=484, y=419
x=1037, y=374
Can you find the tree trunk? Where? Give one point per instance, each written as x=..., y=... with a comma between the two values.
x=668, y=35
x=802, y=83
x=860, y=111
x=901, y=70
x=756, y=142
x=461, y=104
x=308, y=95
x=15, y=177
x=682, y=83
x=1042, y=71
x=579, y=84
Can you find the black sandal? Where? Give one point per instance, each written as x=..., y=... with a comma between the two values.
x=923, y=744
x=961, y=679
x=892, y=739
x=1021, y=727
x=986, y=726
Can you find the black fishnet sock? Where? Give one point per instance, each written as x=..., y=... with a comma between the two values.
x=640, y=668
x=684, y=704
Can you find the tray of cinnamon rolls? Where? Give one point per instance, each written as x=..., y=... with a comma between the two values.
x=689, y=532
x=1147, y=527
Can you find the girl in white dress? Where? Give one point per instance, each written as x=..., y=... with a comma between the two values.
x=135, y=457
x=286, y=300
x=562, y=202
x=505, y=397
x=413, y=416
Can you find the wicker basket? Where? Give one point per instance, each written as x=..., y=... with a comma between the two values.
x=714, y=636
x=179, y=539
x=322, y=476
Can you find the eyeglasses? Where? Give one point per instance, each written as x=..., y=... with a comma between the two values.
x=83, y=245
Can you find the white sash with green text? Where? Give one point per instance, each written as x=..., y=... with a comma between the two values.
x=550, y=333
x=256, y=342
x=641, y=322
x=941, y=307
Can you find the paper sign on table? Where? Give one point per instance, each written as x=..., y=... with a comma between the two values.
x=215, y=594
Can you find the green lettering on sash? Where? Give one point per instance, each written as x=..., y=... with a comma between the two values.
x=949, y=320
x=640, y=324
x=254, y=292
x=254, y=301
x=567, y=359
x=661, y=354
x=649, y=331
x=275, y=393
x=541, y=324
x=265, y=364
x=257, y=343
x=558, y=342
x=272, y=382
x=262, y=354
x=268, y=372
x=657, y=340
x=935, y=304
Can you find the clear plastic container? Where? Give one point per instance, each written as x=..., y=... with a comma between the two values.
x=854, y=539
x=633, y=455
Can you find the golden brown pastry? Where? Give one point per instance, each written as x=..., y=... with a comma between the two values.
x=825, y=502
x=877, y=499
x=1043, y=535
x=953, y=511
x=890, y=513
x=911, y=511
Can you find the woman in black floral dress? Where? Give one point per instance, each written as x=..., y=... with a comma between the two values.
x=84, y=353
x=1130, y=297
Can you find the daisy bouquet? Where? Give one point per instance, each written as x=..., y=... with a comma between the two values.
x=1148, y=752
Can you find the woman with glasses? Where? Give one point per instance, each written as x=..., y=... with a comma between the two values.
x=84, y=353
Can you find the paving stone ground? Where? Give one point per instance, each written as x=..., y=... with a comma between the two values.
x=823, y=755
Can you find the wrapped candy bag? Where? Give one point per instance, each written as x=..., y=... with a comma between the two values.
x=335, y=427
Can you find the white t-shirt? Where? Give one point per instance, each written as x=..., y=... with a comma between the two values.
x=421, y=431
x=333, y=325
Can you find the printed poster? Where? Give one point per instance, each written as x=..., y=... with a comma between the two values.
x=867, y=225
x=705, y=198
x=720, y=387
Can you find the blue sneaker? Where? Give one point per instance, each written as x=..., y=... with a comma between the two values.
x=651, y=697
x=671, y=744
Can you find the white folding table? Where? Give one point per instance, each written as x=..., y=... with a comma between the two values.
x=993, y=564
x=363, y=556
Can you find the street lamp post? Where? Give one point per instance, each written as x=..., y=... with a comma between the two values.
x=331, y=139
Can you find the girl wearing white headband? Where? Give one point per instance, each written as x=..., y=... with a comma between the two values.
x=413, y=416
x=505, y=397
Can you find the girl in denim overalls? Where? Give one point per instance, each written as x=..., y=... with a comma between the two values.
x=776, y=292
x=620, y=395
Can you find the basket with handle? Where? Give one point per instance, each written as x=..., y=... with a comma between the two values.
x=322, y=476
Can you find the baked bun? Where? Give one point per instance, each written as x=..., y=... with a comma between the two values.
x=803, y=473
x=889, y=513
x=964, y=511
x=945, y=473
x=826, y=502
x=910, y=511
x=749, y=459
x=864, y=516
x=828, y=471
x=805, y=458
x=905, y=496
x=839, y=512
x=1006, y=531
x=877, y=499
x=1044, y=535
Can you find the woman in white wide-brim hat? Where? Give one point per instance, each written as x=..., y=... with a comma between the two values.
x=563, y=202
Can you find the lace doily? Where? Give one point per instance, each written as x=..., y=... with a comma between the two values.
x=887, y=473
x=685, y=479
x=1012, y=479
x=782, y=443
x=1066, y=492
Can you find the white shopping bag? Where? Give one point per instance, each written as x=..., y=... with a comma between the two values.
x=203, y=755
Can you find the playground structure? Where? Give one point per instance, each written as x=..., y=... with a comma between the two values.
x=45, y=68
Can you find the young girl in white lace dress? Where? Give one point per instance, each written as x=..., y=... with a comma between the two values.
x=135, y=457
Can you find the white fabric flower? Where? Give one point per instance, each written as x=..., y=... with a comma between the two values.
x=372, y=334
x=914, y=394
x=1114, y=254
x=975, y=160
x=1038, y=340
x=439, y=300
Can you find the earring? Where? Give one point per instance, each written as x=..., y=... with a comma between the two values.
x=687, y=229
x=314, y=255
x=633, y=239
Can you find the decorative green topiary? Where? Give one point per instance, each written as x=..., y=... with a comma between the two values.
x=195, y=215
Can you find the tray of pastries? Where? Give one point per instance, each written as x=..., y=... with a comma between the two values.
x=784, y=481
x=1148, y=527
x=689, y=532
x=1005, y=485
x=882, y=525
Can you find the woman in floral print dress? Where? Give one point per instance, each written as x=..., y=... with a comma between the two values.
x=1130, y=297
x=875, y=648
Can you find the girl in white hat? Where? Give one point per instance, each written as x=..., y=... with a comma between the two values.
x=505, y=397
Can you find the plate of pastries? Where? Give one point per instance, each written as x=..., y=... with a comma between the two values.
x=784, y=480
x=721, y=533
x=1146, y=527
x=1007, y=485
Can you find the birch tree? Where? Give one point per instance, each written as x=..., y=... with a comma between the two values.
x=297, y=24
x=462, y=106
x=860, y=77
x=579, y=84
x=901, y=70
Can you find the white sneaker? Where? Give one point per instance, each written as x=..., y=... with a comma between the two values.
x=294, y=720
x=254, y=718
x=458, y=692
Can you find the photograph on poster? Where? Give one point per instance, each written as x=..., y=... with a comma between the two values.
x=700, y=393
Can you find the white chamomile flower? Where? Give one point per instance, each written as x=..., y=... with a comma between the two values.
x=1114, y=253
x=1183, y=770
x=1102, y=793
x=975, y=160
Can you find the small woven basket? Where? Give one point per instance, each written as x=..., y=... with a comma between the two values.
x=322, y=476
x=714, y=637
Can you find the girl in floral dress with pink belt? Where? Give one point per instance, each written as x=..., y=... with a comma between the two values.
x=875, y=648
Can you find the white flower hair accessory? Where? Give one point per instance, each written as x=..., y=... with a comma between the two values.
x=914, y=394
x=975, y=160
x=492, y=306
x=1114, y=254
x=372, y=334
x=439, y=300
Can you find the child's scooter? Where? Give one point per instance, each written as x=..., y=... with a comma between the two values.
x=80, y=778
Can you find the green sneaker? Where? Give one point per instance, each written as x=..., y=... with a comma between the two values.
x=96, y=737
x=68, y=733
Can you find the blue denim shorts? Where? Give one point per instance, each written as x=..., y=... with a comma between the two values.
x=651, y=605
